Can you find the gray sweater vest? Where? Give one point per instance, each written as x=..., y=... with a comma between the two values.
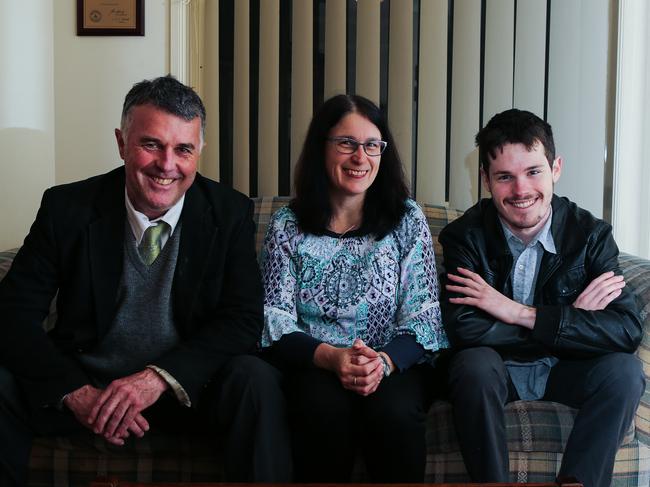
x=143, y=328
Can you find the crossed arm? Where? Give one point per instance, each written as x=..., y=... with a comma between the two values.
x=476, y=292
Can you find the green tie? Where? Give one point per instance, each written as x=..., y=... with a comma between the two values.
x=151, y=243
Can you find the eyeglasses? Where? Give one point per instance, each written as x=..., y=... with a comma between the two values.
x=347, y=145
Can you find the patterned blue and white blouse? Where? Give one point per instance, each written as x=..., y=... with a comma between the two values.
x=338, y=289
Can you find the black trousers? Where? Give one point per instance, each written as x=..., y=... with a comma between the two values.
x=605, y=389
x=244, y=405
x=331, y=424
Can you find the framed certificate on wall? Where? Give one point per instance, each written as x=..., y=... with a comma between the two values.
x=110, y=17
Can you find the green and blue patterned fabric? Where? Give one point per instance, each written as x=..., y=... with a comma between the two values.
x=338, y=289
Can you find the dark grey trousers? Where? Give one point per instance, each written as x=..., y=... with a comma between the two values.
x=330, y=425
x=605, y=389
x=244, y=405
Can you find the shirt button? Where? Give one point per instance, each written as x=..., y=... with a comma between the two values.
x=521, y=267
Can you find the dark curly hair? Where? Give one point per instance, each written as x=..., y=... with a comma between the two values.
x=513, y=127
x=385, y=201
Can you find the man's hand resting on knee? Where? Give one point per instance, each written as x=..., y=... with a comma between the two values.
x=81, y=403
x=119, y=406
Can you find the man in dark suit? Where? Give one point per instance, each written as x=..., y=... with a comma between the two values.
x=159, y=299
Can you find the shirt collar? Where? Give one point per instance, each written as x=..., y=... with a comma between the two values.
x=139, y=221
x=544, y=236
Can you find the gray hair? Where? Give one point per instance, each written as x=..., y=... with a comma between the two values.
x=168, y=94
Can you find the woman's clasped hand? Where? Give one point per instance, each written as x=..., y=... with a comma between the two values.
x=359, y=367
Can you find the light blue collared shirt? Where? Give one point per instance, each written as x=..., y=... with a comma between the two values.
x=529, y=378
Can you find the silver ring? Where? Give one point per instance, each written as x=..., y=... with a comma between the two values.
x=355, y=381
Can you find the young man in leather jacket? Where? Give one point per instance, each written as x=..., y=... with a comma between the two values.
x=537, y=308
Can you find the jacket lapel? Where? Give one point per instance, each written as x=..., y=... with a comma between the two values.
x=500, y=258
x=106, y=248
x=565, y=236
x=550, y=263
x=198, y=237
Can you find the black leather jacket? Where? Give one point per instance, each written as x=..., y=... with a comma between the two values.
x=585, y=249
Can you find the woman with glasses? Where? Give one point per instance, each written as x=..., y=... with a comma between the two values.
x=351, y=309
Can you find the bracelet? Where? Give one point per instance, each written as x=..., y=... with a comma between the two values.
x=382, y=356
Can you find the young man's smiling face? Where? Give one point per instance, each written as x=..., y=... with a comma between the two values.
x=521, y=183
x=160, y=153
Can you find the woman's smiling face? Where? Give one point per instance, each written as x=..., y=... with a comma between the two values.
x=352, y=174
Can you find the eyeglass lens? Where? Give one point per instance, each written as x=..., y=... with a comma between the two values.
x=349, y=146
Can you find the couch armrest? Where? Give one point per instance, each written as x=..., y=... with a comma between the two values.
x=636, y=271
x=6, y=258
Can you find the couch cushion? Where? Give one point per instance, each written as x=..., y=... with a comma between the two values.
x=637, y=278
x=530, y=426
x=535, y=453
x=264, y=208
x=78, y=459
x=631, y=467
x=437, y=218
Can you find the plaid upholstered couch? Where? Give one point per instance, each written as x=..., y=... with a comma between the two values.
x=537, y=431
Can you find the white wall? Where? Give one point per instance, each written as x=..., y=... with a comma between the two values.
x=60, y=99
x=26, y=114
x=91, y=77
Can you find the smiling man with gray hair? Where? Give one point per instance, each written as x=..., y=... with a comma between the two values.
x=159, y=301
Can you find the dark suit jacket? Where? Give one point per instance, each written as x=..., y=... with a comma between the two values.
x=75, y=248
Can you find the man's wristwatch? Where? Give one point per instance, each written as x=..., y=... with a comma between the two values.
x=384, y=359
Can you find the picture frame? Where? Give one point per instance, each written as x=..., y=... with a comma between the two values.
x=110, y=17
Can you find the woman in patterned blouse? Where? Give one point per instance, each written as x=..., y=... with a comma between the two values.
x=351, y=309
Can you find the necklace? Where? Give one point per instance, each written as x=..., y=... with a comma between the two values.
x=353, y=227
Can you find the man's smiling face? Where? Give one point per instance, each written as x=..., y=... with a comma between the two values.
x=160, y=153
x=521, y=182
